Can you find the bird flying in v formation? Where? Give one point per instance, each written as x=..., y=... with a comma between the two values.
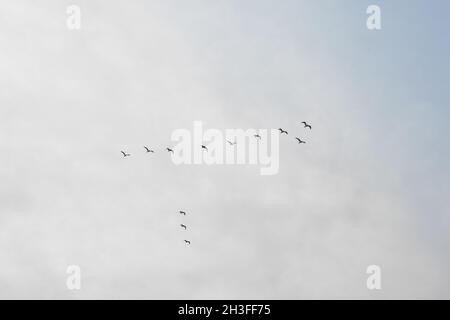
x=231, y=143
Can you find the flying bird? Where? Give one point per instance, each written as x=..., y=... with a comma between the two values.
x=148, y=150
x=300, y=141
x=183, y=213
x=231, y=143
x=306, y=125
x=187, y=241
x=282, y=131
x=125, y=154
x=204, y=147
x=183, y=226
x=169, y=150
x=258, y=136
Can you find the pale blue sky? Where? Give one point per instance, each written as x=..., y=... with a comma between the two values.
x=371, y=185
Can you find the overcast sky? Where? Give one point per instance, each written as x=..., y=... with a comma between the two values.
x=371, y=186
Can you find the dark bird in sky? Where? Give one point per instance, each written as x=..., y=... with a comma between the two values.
x=282, y=131
x=148, y=150
x=183, y=213
x=204, y=147
x=187, y=241
x=257, y=136
x=183, y=226
x=231, y=143
x=169, y=150
x=125, y=154
x=306, y=125
x=300, y=141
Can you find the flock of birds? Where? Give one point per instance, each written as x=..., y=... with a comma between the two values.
x=188, y=242
x=300, y=141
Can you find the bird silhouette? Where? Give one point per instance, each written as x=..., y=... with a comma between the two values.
x=148, y=150
x=183, y=226
x=282, y=131
x=300, y=141
x=187, y=241
x=204, y=147
x=231, y=143
x=258, y=136
x=125, y=154
x=183, y=213
x=306, y=125
x=169, y=150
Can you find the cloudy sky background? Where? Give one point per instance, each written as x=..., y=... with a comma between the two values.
x=371, y=186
